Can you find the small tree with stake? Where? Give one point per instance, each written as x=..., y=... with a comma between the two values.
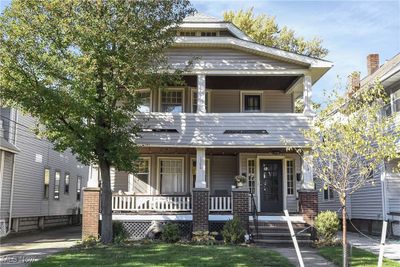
x=76, y=65
x=348, y=141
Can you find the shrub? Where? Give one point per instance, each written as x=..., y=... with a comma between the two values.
x=90, y=241
x=327, y=226
x=233, y=232
x=171, y=233
x=120, y=235
x=204, y=237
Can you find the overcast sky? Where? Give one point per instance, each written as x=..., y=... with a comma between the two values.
x=350, y=29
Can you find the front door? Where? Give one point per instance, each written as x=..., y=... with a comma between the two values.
x=271, y=196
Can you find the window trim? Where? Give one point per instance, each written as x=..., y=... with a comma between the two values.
x=329, y=199
x=48, y=185
x=194, y=90
x=172, y=89
x=151, y=98
x=159, y=189
x=131, y=179
x=78, y=177
x=69, y=182
x=59, y=185
x=255, y=174
x=192, y=159
x=242, y=103
x=293, y=177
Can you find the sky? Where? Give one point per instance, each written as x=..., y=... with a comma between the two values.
x=350, y=29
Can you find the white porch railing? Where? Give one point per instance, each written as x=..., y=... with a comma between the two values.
x=151, y=203
x=220, y=204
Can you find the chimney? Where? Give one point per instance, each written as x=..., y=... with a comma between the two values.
x=372, y=63
x=353, y=83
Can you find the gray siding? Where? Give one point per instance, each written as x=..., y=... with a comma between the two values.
x=393, y=187
x=225, y=101
x=323, y=204
x=224, y=59
x=6, y=185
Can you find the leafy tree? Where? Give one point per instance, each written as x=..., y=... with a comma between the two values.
x=76, y=65
x=348, y=141
x=264, y=30
x=299, y=105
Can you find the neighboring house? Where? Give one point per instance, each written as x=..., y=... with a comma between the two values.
x=39, y=187
x=372, y=203
x=229, y=120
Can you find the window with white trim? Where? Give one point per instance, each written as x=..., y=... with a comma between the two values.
x=194, y=170
x=144, y=97
x=251, y=175
x=290, y=177
x=140, y=182
x=171, y=175
x=57, y=177
x=172, y=101
x=78, y=187
x=251, y=102
x=328, y=193
x=194, y=101
x=46, y=183
x=66, y=183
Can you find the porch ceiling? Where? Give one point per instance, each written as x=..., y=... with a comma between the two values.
x=244, y=82
x=209, y=151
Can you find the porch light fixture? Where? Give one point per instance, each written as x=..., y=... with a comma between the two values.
x=246, y=132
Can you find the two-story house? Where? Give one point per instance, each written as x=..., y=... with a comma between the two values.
x=379, y=200
x=229, y=119
x=39, y=187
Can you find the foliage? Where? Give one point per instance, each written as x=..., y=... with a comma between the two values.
x=327, y=225
x=299, y=105
x=240, y=179
x=90, y=241
x=171, y=233
x=359, y=257
x=233, y=232
x=119, y=232
x=264, y=30
x=204, y=237
x=163, y=255
x=77, y=65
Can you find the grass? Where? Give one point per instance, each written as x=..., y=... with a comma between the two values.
x=359, y=257
x=161, y=254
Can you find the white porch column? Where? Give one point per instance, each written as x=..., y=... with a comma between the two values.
x=201, y=93
x=308, y=109
x=93, y=177
x=201, y=168
x=307, y=171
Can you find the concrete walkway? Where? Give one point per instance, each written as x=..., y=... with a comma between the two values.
x=310, y=256
x=20, y=250
x=392, y=247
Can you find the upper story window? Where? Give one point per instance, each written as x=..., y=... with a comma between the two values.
x=57, y=177
x=46, y=180
x=172, y=101
x=396, y=101
x=188, y=33
x=194, y=101
x=251, y=102
x=208, y=33
x=145, y=101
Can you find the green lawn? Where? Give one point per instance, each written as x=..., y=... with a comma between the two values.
x=359, y=257
x=166, y=255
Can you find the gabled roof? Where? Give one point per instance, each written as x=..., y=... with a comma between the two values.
x=387, y=73
x=200, y=17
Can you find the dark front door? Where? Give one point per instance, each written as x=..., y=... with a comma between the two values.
x=271, y=198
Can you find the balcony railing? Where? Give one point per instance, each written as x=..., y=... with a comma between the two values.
x=220, y=203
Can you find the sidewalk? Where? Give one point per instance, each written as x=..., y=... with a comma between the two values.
x=310, y=256
x=22, y=249
x=392, y=247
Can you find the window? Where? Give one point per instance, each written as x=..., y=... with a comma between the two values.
x=193, y=171
x=328, y=193
x=139, y=182
x=66, y=183
x=145, y=101
x=171, y=175
x=78, y=187
x=396, y=101
x=208, y=33
x=194, y=101
x=251, y=175
x=290, y=177
x=187, y=33
x=57, y=177
x=46, y=183
x=172, y=101
x=251, y=102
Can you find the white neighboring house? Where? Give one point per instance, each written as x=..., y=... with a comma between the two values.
x=39, y=187
x=374, y=202
x=230, y=118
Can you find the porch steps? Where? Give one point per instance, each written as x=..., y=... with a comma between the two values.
x=277, y=233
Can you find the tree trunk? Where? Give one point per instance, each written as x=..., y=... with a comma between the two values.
x=106, y=199
x=344, y=233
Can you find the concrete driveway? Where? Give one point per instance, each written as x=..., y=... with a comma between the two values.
x=22, y=249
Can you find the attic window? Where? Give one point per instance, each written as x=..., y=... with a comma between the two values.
x=208, y=33
x=187, y=33
x=245, y=132
x=147, y=130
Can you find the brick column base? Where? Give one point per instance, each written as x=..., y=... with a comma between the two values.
x=240, y=205
x=200, y=209
x=308, y=205
x=90, y=212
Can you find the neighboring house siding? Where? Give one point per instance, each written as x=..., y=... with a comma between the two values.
x=6, y=185
x=224, y=59
x=393, y=187
x=323, y=204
